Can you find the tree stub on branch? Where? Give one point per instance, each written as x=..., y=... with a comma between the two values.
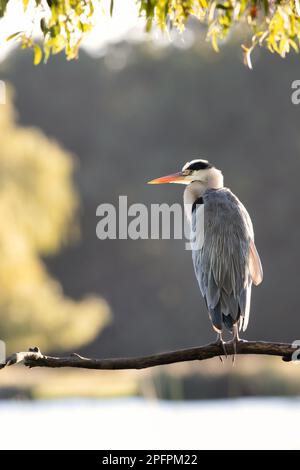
x=34, y=357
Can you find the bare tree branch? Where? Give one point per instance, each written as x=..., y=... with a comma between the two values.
x=34, y=358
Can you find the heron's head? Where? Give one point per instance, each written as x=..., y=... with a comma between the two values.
x=196, y=170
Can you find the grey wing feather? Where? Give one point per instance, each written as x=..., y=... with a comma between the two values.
x=255, y=266
x=222, y=262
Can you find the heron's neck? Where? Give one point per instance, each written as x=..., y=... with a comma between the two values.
x=192, y=192
x=213, y=180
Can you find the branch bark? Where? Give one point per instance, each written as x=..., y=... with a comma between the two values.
x=34, y=357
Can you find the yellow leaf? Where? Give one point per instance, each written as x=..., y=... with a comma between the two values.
x=247, y=56
x=38, y=55
x=203, y=3
x=283, y=47
x=25, y=4
x=12, y=36
x=212, y=12
x=294, y=45
x=214, y=42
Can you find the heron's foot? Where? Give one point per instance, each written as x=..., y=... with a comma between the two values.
x=221, y=342
x=241, y=341
x=228, y=345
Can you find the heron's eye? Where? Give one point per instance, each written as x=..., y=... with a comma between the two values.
x=186, y=172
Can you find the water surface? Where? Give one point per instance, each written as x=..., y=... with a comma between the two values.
x=138, y=424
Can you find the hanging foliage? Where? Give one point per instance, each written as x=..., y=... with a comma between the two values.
x=274, y=24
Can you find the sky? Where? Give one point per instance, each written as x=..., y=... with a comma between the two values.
x=124, y=23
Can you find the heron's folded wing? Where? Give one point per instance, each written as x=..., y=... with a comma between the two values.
x=255, y=266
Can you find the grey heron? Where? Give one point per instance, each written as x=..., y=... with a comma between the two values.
x=226, y=261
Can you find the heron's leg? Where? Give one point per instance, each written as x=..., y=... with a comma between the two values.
x=218, y=341
x=236, y=335
x=235, y=341
x=222, y=342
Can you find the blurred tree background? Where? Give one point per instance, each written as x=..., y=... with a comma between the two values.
x=133, y=114
x=38, y=207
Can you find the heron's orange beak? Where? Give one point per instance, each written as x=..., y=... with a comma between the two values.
x=174, y=178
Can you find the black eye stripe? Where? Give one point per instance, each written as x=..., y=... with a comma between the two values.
x=199, y=166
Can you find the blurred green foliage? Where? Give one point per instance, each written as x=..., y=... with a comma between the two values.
x=274, y=24
x=38, y=205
